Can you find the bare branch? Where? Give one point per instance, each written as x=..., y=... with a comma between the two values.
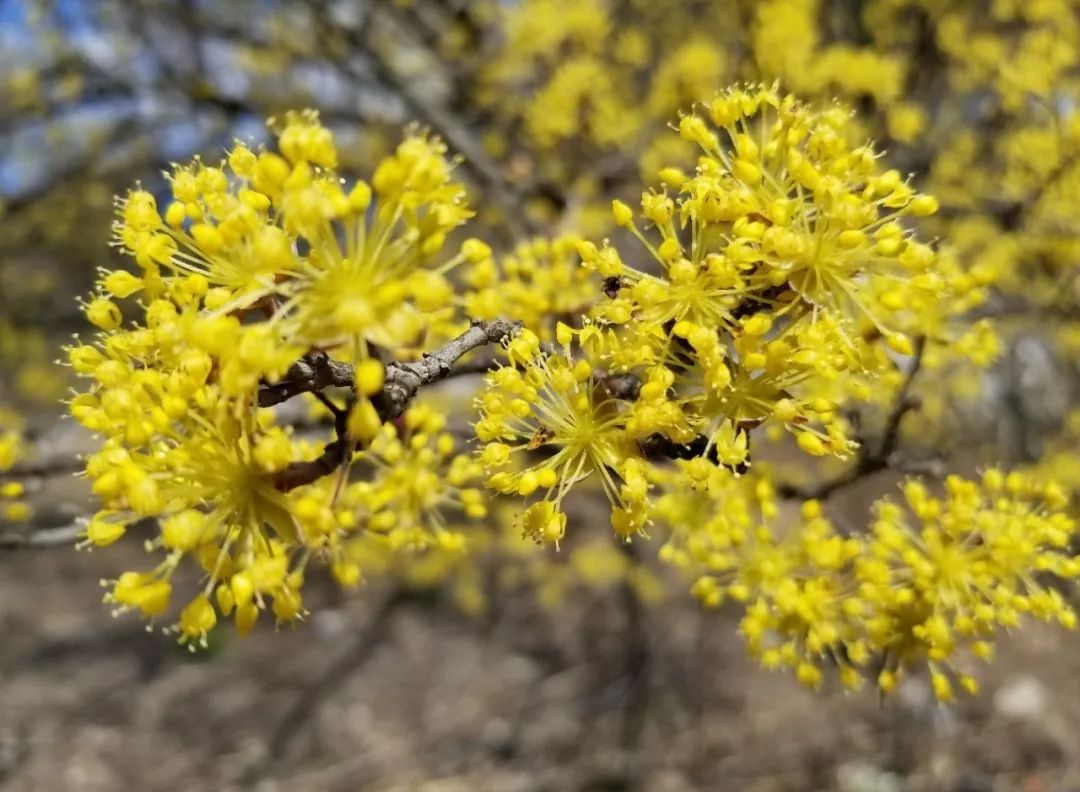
x=317, y=371
x=310, y=374
x=403, y=380
x=41, y=538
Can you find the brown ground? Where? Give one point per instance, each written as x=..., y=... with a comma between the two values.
x=377, y=692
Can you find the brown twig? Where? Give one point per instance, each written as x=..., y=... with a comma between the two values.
x=317, y=371
x=310, y=374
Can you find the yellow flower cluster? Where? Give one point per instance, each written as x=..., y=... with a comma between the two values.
x=581, y=97
x=547, y=402
x=279, y=231
x=770, y=290
x=540, y=283
x=418, y=510
x=781, y=211
x=776, y=283
x=417, y=479
x=779, y=261
x=254, y=263
x=585, y=79
x=1015, y=48
x=932, y=583
x=184, y=443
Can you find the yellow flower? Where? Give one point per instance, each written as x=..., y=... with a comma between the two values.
x=540, y=281
x=548, y=402
x=932, y=582
x=341, y=265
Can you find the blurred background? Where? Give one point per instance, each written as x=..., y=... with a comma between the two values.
x=589, y=670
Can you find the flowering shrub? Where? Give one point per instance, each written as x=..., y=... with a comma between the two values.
x=768, y=287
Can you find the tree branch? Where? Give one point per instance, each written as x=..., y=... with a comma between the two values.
x=41, y=537
x=317, y=370
x=312, y=373
x=403, y=380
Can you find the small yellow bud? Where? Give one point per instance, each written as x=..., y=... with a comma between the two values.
x=747, y=172
x=672, y=176
x=582, y=370
x=608, y=263
x=370, y=377
x=145, y=498
x=670, y=249
x=694, y=129
x=758, y=324
x=624, y=215
x=475, y=250
x=360, y=197
x=809, y=675
x=175, y=214
x=121, y=283
x=851, y=238
x=104, y=314
x=811, y=444
x=242, y=161
x=347, y=573
x=528, y=483
x=547, y=478
x=364, y=421
x=900, y=344
x=923, y=205
x=207, y=237
x=942, y=687
x=887, y=681
x=287, y=604
x=102, y=533
x=225, y=599
x=587, y=250
x=183, y=531
x=785, y=410
x=198, y=618
x=246, y=616
x=270, y=173
x=850, y=677
x=243, y=590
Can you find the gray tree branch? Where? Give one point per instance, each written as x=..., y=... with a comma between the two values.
x=403, y=380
